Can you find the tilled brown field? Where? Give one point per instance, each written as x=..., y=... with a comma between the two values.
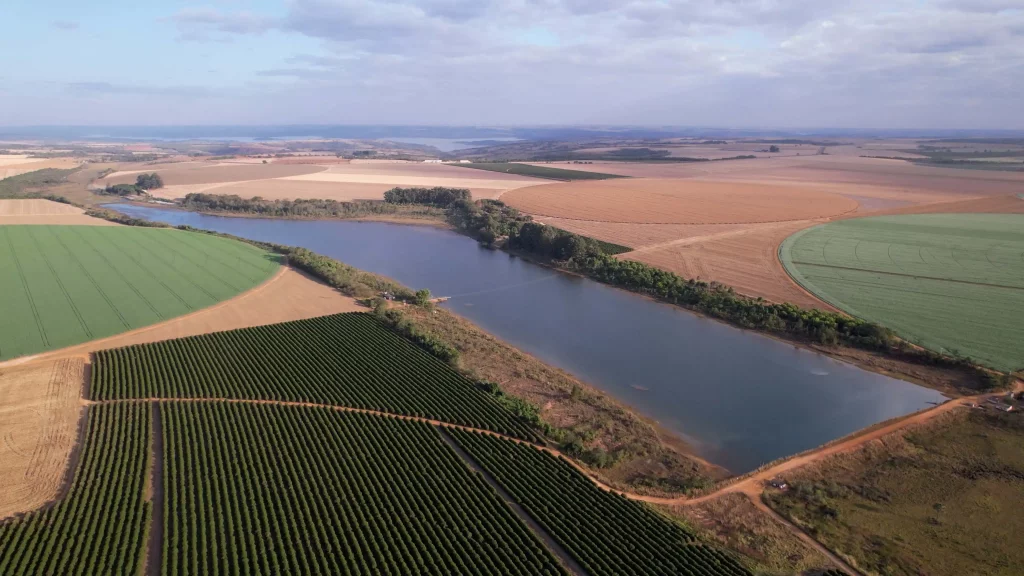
x=39, y=412
x=664, y=201
x=744, y=258
x=38, y=211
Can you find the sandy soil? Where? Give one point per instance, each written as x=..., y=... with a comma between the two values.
x=1012, y=204
x=37, y=211
x=288, y=295
x=637, y=235
x=16, y=165
x=663, y=201
x=39, y=413
x=745, y=258
x=207, y=173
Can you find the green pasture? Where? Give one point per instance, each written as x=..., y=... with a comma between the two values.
x=949, y=282
x=63, y=285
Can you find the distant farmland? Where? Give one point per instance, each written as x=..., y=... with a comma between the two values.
x=63, y=285
x=949, y=282
x=539, y=171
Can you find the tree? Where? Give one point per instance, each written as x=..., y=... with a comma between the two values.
x=422, y=297
x=149, y=181
x=773, y=148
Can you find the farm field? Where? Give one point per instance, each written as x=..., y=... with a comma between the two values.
x=212, y=173
x=39, y=412
x=539, y=171
x=64, y=285
x=15, y=165
x=100, y=526
x=343, y=360
x=39, y=211
x=606, y=533
x=371, y=495
x=949, y=282
x=288, y=295
x=662, y=201
x=942, y=499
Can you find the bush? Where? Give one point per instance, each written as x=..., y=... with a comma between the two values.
x=149, y=181
x=438, y=196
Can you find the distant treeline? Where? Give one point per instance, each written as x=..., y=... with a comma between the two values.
x=489, y=220
x=300, y=208
x=438, y=196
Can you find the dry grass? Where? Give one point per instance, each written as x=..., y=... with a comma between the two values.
x=16, y=165
x=768, y=546
x=664, y=201
x=38, y=211
x=39, y=413
x=939, y=499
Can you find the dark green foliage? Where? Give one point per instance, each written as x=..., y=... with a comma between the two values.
x=265, y=489
x=343, y=360
x=100, y=526
x=491, y=220
x=122, y=190
x=438, y=196
x=149, y=181
x=299, y=208
x=539, y=171
x=606, y=533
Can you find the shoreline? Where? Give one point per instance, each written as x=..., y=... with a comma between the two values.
x=404, y=220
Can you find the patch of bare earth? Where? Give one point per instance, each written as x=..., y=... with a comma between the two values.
x=645, y=459
x=676, y=201
x=735, y=522
x=745, y=258
x=39, y=414
x=39, y=211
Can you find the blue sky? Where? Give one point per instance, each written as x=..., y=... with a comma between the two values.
x=742, y=63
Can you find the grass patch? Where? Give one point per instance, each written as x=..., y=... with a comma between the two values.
x=941, y=500
x=63, y=285
x=539, y=171
x=26, y=185
x=953, y=283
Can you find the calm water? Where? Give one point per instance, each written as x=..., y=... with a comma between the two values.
x=742, y=399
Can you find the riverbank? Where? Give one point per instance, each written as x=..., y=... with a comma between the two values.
x=620, y=447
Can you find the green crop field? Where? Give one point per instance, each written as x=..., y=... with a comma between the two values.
x=539, y=171
x=953, y=283
x=344, y=360
x=100, y=526
x=63, y=285
x=262, y=489
x=606, y=533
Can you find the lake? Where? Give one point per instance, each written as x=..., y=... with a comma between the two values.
x=741, y=399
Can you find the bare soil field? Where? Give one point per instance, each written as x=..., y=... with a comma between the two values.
x=39, y=413
x=745, y=258
x=637, y=235
x=663, y=201
x=289, y=295
x=421, y=179
x=1012, y=204
x=17, y=165
x=207, y=173
x=38, y=211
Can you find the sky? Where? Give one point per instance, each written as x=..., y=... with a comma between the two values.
x=926, y=64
